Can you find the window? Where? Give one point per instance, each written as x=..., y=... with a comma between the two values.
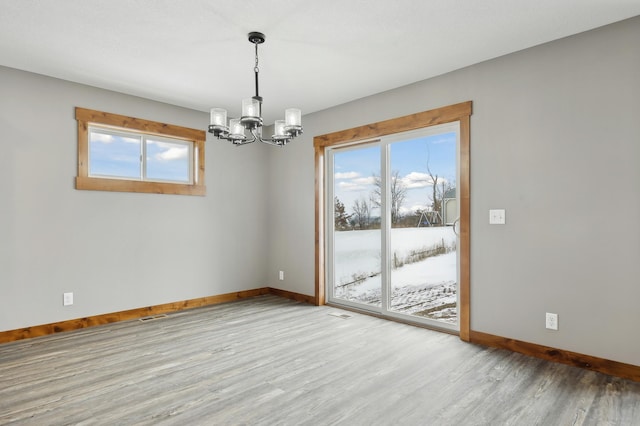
x=137, y=156
x=118, y=153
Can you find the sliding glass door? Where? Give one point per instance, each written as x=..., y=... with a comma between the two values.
x=391, y=222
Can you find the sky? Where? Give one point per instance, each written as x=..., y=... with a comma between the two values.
x=114, y=155
x=354, y=169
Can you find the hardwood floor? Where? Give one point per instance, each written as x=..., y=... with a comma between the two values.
x=273, y=361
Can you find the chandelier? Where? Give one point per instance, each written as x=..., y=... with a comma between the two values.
x=251, y=119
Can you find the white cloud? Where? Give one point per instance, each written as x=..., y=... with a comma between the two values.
x=417, y=180
x=356, y=184
x=370, y=180
x=346, y=175
x=101, y=137
x=106, y=138
x=350, y=186
x=173, y=153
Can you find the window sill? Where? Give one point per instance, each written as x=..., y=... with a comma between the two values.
x=118, y=185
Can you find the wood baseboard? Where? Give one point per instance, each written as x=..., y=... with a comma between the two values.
x=293, y=296
x=78, y=323
x=601, y=365
x=75, y=324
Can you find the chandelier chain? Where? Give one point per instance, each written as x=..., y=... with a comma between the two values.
x=256, y=69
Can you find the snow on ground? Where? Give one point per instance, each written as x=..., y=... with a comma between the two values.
x=425, y=288
x=431, y=271
x=358, y=252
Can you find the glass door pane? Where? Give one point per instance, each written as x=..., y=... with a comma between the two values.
x=422, y=243
x=356, y=248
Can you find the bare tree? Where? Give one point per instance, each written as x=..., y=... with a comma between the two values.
x=436, y=202
x=398, y=194
x=362, y=213
x=438, y=192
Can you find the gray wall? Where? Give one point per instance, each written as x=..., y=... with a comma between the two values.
x=114, y=251
x=555, y=141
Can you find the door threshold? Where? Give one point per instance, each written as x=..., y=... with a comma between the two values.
x=394, y=319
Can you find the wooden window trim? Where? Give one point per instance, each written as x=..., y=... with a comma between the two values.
x=458, y=112
x=86, y=117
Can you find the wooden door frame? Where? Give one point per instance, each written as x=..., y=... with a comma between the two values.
x=458, y=112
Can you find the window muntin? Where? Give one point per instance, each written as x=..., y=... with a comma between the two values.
x=119, y=153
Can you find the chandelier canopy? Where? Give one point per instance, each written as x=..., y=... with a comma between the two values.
x=251, y=119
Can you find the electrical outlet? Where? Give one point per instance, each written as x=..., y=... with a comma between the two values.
x=552, y=321
x=67, y=299
x=496, y=217
x=281, y=276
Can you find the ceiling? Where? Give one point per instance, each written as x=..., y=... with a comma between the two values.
x=317, y=54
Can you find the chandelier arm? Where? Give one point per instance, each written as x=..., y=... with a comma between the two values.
x=248, y=141
x=228, y=137
x=268, y=141
x=237, y=142
x=272, y=142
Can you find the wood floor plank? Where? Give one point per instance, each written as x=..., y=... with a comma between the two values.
x=274, y=361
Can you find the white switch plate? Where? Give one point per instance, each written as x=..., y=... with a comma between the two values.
x=281, y=275
x=497, y=217
x=67, y=299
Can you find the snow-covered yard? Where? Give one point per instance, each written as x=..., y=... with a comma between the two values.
x=423, y=281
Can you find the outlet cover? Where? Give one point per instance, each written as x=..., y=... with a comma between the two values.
x=496, y=217
x=67, y=299
x=552, y=321
x=281, y=276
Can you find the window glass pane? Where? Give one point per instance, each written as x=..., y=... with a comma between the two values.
x=114, y=155
x=423, y=246
x=168, y=160
x=356, y=205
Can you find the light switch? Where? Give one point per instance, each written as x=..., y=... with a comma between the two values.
x=497, y=217
x=67, y=299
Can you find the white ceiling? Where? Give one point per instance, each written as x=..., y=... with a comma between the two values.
x=318, y=54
